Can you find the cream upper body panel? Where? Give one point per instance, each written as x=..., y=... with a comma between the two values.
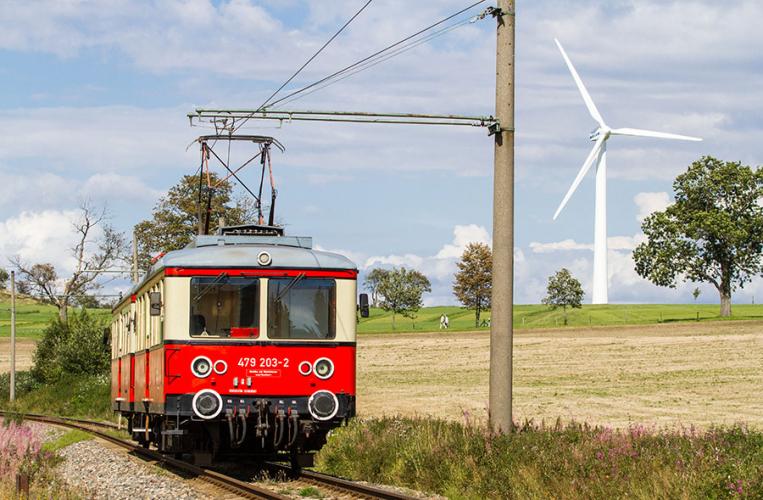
x=134, y=329
x=177, y=304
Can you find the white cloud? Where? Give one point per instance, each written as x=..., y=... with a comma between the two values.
x=40, y=237
x=110, y=186
x=559, y=246
x=48, y=190
x=462, y=236
x=443, y=263
x=407, y=260
x=648, y=203
x=440, y=267
x=102, y=139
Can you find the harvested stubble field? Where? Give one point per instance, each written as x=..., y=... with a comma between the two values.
x=662, y=375
x=24, y=354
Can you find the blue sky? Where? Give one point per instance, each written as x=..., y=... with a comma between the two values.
x=94, y=97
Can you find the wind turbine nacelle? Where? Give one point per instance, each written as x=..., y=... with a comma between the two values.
x=599, y=132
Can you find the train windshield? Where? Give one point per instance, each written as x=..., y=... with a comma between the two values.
x=301, y=308
x=225, y=307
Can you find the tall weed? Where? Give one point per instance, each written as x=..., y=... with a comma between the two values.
x=561, y=461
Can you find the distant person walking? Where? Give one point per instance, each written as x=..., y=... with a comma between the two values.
x=443, y=321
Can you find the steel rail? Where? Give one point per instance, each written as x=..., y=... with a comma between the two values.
x=228, y=483
x=339, y=484
x=220, y=480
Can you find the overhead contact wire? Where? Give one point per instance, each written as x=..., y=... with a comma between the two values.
x=373, y=62
x=375, y=54
x=309, y=60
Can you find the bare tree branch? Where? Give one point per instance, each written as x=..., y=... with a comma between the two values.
x=92, y=255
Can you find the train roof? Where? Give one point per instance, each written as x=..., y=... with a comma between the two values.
x=242, y=251
x=237, y=251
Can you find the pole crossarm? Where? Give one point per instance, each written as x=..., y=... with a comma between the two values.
x=227, y=119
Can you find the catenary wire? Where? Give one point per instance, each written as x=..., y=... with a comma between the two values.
x=373, y=62
x=310, y=59
x=375, y=54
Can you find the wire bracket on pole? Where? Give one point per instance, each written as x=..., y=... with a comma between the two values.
x=231, y=117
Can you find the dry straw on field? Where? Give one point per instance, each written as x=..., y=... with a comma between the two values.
x=664, y=375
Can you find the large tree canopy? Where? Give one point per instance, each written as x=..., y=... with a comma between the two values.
x=401, y=291
x=174, y=220
x=474, y=279
x=713, y=233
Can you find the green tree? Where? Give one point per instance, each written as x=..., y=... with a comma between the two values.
x=75, y=347
x=474, y=279
x=4, y=276
x=175, y=219
x=695, y=293
x=564, y=291
x=401, y=291
x=372, y=282
x=88, y=301
x=713, y=233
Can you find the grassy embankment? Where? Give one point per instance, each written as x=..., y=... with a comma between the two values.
x=72, y=396
x=32, y=316
x=572, y=461
x=540, y=316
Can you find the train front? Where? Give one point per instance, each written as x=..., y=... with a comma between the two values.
x=260, y=358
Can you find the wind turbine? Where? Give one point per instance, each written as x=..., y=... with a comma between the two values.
x=599, y=155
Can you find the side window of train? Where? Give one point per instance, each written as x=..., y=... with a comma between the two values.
x=301, y=308
x=225, y=307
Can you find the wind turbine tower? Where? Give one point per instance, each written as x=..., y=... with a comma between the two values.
x=598, y=155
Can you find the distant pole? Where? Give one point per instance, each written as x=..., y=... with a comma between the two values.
x=13, y=336
x=134, y=256
x=502, y=301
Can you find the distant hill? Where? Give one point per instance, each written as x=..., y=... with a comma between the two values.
x=5, y=296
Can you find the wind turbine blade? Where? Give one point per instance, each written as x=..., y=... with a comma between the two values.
x=583, y=170
x=586, y=96
x=637, y=132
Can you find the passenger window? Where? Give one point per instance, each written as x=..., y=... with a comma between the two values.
x=225, y=307
x=301, y=308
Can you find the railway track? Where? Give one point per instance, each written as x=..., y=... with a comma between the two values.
x=339, y=486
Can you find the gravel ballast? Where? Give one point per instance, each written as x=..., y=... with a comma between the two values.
x=104, y=473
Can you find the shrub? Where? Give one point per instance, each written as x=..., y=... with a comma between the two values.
x=73, y=348
x=25, y=382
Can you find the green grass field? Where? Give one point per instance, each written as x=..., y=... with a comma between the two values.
x=540, y=316
x=32, y=316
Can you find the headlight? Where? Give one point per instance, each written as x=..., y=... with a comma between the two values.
x=207, y=404
x=220, y=367
x=201, y=366
x=323, y=405
x=323, y=368
x=305, y=368
x=264, y=259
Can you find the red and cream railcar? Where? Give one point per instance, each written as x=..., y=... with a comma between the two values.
x=237, y=343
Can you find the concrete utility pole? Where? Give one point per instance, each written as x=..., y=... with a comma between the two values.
x=12, y=395
x=502, y=301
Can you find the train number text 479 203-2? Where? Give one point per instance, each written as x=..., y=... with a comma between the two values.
x=263, y=362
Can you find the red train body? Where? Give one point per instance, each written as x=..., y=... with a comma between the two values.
x=237, y=344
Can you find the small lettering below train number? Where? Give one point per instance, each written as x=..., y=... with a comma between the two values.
x=263, y=362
